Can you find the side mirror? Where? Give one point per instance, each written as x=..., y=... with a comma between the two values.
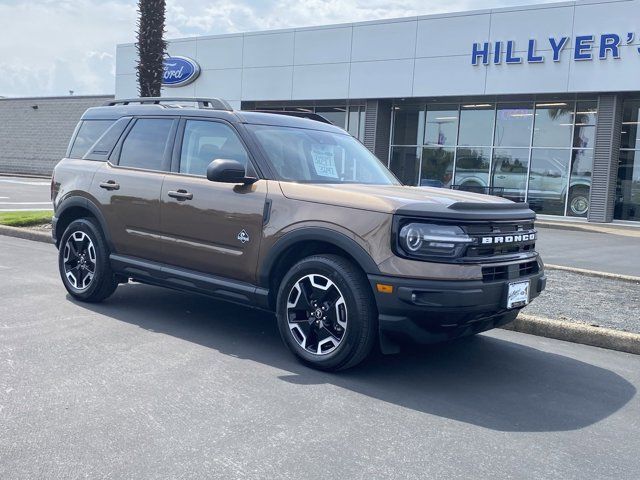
x=228, y=171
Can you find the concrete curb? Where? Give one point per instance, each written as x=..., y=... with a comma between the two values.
x=27, y=234
x=594, y=273
x=576, y=333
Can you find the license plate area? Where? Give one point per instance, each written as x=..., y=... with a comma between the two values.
x=518, y=294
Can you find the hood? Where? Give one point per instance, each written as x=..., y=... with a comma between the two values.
x=413, y=201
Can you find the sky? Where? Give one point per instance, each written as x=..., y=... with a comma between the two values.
x=48, y=47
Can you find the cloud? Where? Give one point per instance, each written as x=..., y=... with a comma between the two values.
x=48, y=47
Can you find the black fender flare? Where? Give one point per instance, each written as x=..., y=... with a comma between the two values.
x=327, y=235
x=83, y=202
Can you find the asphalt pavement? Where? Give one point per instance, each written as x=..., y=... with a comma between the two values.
x=24, y=193
x=160, y=384
x=603, y=252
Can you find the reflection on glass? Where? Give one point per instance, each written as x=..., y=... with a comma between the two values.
x=472, y=169
x=404, y=164
x=336, y=115
x=408, y=125
x=513, y=125
x=584, y=136
x=630, y=137
x=476, y=125
x=548, y=180
x=442, y=125
x=586, y=112
x=437, y=167
x=553, y=122
x=509, y=172
x=628, y=191
x=361, y=127
x=580, y=183
x=354, y=117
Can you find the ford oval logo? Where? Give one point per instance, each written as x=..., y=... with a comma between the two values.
x=179, y=71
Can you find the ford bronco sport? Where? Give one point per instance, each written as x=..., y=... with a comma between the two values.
x=287, y=214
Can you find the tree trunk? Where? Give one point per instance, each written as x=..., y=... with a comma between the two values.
x=151, y=47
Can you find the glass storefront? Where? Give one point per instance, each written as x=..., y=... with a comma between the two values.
x=350, y=118
x=628, y=187
x=539, y=152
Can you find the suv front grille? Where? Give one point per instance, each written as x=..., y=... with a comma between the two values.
x=500, y=240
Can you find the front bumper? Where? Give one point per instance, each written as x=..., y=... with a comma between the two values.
x=428, y=311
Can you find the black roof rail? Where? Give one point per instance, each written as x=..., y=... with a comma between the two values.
x=295, y=113
x=214, y=103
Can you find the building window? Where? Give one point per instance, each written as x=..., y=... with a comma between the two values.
x=351, y=118
x=540, y=152
x=336, y=115
x=628, y=186
x=476, y=125
x=513, y=125
x=409, y=125
x=405, y=163
x=436, y=169
x=441, y=125
x=509, y=171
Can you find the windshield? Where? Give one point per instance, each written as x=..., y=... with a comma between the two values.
x=313, y=156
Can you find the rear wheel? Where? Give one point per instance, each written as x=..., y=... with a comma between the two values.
x=326, y=312
x=83, y=261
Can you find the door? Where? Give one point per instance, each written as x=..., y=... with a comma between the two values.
x=128, y=192
x=211, y=227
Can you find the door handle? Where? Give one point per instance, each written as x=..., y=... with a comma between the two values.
x=180, y=194
x=110, y=185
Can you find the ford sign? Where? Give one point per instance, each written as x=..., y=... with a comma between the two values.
x=179, y=71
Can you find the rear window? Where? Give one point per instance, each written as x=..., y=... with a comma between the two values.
x=88, y=133
x=105, y=144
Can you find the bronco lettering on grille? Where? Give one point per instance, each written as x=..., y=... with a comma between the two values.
x=526, y=237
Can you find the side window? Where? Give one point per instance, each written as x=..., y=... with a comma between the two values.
x=146, y=143
x=204, y=142
x=88, y=133
x=103, y=147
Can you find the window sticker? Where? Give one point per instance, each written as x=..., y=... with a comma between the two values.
x=324, y=160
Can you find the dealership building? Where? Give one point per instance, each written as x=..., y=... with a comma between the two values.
x=537, y=103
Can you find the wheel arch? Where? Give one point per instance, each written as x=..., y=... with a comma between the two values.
x=73, y=208
x=301, y=243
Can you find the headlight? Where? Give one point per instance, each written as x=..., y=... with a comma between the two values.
x=425, y=240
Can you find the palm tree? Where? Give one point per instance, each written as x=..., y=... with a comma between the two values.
x=151, y=46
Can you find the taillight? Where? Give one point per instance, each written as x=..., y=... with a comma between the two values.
x=54, y=190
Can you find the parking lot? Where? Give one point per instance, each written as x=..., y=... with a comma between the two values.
x=24, y=193
x=160, y=384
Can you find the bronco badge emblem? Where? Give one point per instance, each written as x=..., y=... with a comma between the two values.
x=243, y=236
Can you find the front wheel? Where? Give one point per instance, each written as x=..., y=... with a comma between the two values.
x=83, y=261
x=326, y=313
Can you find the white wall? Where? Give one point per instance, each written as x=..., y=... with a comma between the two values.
x=416, y=56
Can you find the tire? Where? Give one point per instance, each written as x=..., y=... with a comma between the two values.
x=578, y=202
x=326, y=313
x=83, y=262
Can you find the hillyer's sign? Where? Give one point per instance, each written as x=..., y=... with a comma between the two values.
x=584, y=48
x=179, y=71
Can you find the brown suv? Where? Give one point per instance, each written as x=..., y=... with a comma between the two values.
x=286, y=214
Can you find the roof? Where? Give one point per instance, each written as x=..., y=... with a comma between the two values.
x=113, y=112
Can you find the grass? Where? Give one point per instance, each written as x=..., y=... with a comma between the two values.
x=25, y=219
